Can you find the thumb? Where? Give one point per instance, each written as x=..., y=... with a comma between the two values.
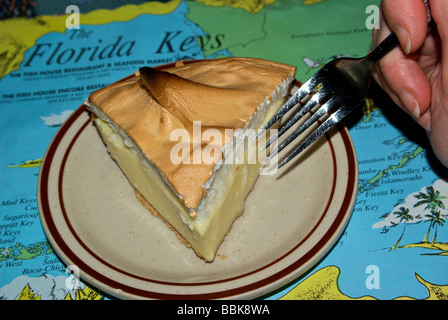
x=408, y=20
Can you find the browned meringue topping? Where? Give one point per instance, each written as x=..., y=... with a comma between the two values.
x=221, y=94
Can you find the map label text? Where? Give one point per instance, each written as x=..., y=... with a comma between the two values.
x=57, y=53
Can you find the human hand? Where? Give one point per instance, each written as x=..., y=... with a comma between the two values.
x=416, y=75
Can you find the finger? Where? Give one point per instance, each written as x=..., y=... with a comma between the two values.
x=408, y=20
x=400, y=75
x=406, y=83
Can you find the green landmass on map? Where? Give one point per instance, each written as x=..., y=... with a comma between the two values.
x=251, y=6
x=404, y=159
x=275, y=34
x=20, y=251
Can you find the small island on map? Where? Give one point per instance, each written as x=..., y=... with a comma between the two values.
x=427, y=206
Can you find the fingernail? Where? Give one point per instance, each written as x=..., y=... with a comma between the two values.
x=402, y=33
x=416, y=111
x=425, y=121
x=410, y=103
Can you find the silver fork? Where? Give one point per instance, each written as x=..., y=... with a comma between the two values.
x=340, y=86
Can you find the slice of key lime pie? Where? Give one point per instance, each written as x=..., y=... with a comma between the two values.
x=180, y=135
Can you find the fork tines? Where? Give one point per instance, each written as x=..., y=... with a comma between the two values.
x=317, y=94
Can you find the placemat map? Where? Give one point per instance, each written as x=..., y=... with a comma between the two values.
x=396, y=243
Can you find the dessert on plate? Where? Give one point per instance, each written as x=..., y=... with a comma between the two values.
x=182, y=136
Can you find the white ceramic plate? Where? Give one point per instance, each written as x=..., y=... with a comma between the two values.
x=93, y=220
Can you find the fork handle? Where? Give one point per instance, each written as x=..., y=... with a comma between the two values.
x=383, y=48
